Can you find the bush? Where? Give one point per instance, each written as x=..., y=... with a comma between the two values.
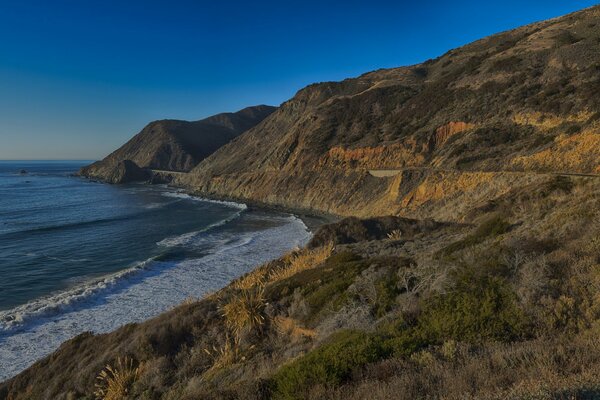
x=478, y=309
x=325, y=284
x=328, y=365
x=245, y=310
x=493, y=226
x=562, y=183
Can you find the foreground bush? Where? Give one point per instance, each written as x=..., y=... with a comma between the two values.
x=477, y=309
x=329, y=365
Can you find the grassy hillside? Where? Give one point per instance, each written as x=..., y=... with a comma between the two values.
x=506, y=307
x=469, y=268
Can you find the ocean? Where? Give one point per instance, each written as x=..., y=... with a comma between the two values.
x=77, y=255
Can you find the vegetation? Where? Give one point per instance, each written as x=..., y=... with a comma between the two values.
x=491, y=227
x=330, y=364
x=245, y=310
x=501, y=300
x=114, y=382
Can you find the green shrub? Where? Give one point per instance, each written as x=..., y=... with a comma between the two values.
x=387, y=289
x=323, y=285
x=329, y=365
x=479, y=308
x=493, y=226
x=562, y=183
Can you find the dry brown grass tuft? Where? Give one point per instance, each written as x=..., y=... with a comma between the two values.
x=255, y=278
x=288, y=326
x=224, y=355
x=115, y=382
x=302, y=260
x=245, y=310
x=396, y=234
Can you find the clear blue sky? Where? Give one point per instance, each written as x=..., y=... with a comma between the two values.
x=78, y=78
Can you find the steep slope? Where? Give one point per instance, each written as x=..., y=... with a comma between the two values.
x=503, y=134
x=519, y=101
x=505, y=309
x=176, y=145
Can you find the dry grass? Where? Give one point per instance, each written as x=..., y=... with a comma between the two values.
x=290, y=327
x=547, y=121
x=224, y=355
x=302, y=261
x=115, y=382
x=531, y=370
x=396, y=234
x=245, y=310
x=255, y=278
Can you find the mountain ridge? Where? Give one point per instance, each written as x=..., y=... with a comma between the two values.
x=521, y=100
x=174, y=145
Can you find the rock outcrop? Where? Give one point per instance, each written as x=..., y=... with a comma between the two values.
x=174, y=145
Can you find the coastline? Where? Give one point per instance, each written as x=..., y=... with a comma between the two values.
x=253, y=251
x=313, y=219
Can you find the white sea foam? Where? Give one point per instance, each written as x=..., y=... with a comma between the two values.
x=149, y=288
x=186, y=238
x=63, y=301
x=182, y=195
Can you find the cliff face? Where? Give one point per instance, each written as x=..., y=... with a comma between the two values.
x=520, y=101
x=175, y=145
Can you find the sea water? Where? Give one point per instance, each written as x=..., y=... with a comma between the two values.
x=77, y=255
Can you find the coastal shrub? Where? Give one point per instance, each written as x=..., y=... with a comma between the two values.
x=224, y=355
x=328, y=365
x=541, y=140
x=565, y=38
x=115, y=382
x=493, y=226
x=387, y=289
x=478, y=308
x=507, y=64
x=325, y=284
x=562, y=183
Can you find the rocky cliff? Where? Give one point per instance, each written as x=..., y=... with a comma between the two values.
x=174, y=145
x=489, y=113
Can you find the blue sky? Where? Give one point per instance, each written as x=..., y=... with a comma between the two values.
x=79, y=78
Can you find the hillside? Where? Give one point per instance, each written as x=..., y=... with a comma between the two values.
x=468, y=266
x=174, y=145
x=519, y=101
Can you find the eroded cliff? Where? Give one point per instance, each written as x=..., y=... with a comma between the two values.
x=523, y=101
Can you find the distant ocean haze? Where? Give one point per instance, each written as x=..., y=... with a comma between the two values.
x=77, y=255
